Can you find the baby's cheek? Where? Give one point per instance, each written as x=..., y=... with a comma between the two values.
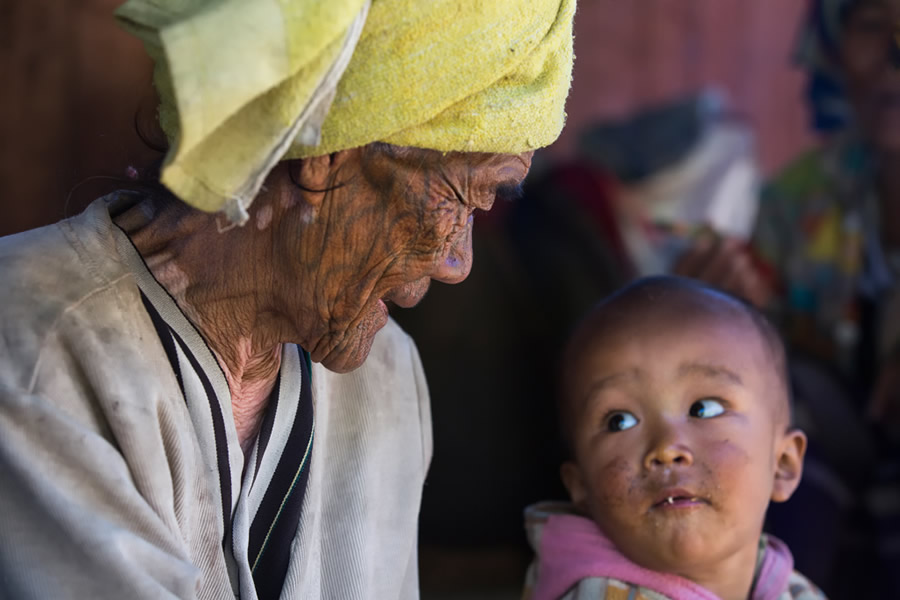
x=614, y=483
x=735, y=472
x=728, y=457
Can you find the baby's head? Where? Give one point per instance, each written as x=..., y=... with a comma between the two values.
x=674, y=403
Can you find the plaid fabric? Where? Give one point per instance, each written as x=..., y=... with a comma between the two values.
x=769, y=580
x=606, y=588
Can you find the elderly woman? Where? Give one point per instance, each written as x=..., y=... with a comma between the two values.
x=200, y=398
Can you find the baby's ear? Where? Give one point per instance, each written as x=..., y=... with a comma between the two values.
x=789, y=467
x=574, y=482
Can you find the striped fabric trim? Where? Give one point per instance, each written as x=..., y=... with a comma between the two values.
x=275, y=523
x=169, y=337
x=265, y=430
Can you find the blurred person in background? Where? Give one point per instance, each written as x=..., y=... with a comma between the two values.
x=824, y=259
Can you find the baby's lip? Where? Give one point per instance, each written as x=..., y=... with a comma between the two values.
x=678, y=497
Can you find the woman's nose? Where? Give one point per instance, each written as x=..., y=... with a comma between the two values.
x=669, y=449
x=456, y=265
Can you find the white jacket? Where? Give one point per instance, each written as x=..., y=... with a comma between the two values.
x=105, y=488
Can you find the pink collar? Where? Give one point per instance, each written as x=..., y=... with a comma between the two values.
x=573, y=548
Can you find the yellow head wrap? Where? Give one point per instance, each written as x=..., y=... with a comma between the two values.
x=245, y=83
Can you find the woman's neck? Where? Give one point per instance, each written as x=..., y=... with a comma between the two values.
x=217, y=284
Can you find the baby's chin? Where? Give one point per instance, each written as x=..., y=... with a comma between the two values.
x=679, y=550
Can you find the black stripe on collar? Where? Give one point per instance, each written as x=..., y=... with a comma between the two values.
x=165, y=337
x=215, y=409
x=265, y=430
x=275, y=524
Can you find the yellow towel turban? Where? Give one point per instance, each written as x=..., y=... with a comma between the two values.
x=245, y=83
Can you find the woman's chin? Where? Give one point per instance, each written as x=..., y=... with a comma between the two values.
x=350, y=355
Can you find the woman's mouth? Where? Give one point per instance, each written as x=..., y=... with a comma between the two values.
x=410, y=294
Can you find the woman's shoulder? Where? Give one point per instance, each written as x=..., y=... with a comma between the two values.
x=62, y=262
x=65, y=281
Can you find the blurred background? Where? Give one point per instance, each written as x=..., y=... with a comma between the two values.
x=686, y=100
x=74, y=80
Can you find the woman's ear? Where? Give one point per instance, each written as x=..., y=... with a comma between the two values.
x=316, y=174
x=574, y=482
x=146, y=121
x=789, y=465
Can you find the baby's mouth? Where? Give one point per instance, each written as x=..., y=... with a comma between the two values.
x=678, y=498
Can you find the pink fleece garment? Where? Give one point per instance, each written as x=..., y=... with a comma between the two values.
x=573, y=548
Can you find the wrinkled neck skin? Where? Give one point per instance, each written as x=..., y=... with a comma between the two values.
x=221, y=280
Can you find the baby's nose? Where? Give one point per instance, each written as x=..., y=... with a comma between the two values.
x=668, y=451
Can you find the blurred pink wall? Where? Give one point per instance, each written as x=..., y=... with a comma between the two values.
x=635, y=53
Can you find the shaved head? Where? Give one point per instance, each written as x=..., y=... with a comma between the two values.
x=666, y=301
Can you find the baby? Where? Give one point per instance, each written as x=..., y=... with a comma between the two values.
x=674, y=403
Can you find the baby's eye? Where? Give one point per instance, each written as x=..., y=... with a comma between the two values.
x=620, y=421
x=706, y=408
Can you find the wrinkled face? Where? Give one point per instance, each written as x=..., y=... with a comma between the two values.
x=678, y=424
x=873, y=82
x=401, y=218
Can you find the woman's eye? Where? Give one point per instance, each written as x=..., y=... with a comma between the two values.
x=620, y=421
x=706, y=408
